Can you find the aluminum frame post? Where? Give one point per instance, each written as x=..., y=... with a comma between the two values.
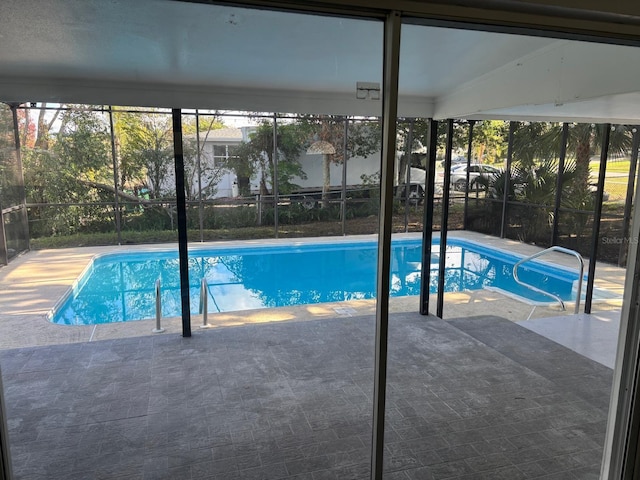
x=407, y=190
x=507, y=181
x=465, y=214
x=114, y=158
x=558, y=203
x=4, y=252
x=391, y=66
x=597, y=213
x=199, y=167
x=345, y=155
x=427, y=222
x=181, y=205
x=274, y=187
x=628, y=204
x=444, y=223
x=5, y=455
x=620, y=455
x=20, y=169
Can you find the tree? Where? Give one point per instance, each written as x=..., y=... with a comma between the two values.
x=418, y=129
x=195, y=161
x=44, y=125
x=26, y=128
x=77, y=154
x=146, y=150
x=69, y=166
x=8, y=182
x=363, y=139
x=82, y=146
x=585, y=139
x=257, y=156
x=490, y=140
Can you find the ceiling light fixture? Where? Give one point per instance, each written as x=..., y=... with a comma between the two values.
x=367, y=90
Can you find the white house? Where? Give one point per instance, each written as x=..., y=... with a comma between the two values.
x=217, y=148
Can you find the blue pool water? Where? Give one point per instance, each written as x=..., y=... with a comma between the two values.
x=121, y=287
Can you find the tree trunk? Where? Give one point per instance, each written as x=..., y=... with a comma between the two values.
x=42, y=134
x=263, y=185
x=326, y=176
x=244, y=188
x=481, y=153
x=24, y=134
x=110, y=188
x=402, y=176
x=583, y=156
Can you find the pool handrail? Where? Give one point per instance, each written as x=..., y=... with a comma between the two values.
x=554, y=248
x=158, y=328
x=204, y=307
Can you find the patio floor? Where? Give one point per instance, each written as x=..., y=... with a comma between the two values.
x=468, y=398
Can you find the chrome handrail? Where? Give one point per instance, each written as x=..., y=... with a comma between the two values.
x=204, y=303
x=158, y=328
x=554, y=248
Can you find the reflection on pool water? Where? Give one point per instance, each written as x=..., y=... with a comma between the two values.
x=121, y=287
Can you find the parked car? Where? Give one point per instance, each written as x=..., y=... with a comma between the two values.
x=455, y=161
x=459, y=175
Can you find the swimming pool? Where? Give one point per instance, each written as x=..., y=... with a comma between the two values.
x=121, y=286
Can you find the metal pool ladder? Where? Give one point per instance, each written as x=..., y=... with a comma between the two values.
x=158, y=328
x=536, y=289
x=204, y=309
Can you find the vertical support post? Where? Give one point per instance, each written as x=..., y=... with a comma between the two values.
x=595, y=237
x=427, y=222
x=199, y=165
x=465, y=217
x=345, y=156
x=114, y=159
x=181, y=204
x=445, y=219
x=4, y=252
x=407, y=189
x=390, y=66
x=274, y=187
x=507, y=181
x=20, y=174
x=556, y=208
x=628, y=204
x=620, y=456
x=5, y=457
x=259, y=209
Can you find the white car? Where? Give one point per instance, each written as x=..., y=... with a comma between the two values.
x=459, y=175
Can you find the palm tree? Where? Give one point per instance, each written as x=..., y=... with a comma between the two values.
x=533, y=176
x=585, y=140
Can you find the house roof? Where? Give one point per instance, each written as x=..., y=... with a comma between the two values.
x=220, y=135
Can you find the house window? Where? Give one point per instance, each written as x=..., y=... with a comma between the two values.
x=222, y=153
x=219, y=154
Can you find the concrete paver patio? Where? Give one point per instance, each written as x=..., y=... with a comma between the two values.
x=477, y=398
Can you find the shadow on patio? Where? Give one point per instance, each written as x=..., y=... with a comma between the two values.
x=473, y=398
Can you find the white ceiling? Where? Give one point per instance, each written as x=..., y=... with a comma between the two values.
x=174, y=54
